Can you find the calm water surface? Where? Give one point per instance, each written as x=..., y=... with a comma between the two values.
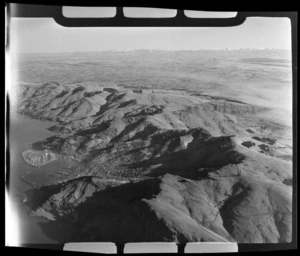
x=24, y=132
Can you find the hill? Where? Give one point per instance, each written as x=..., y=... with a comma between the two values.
x=184, y=166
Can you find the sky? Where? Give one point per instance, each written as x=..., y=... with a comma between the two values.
x=41, y=35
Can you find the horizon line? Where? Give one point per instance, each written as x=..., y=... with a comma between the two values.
x=165, y=50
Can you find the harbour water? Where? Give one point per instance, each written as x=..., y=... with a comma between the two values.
x=22, y=176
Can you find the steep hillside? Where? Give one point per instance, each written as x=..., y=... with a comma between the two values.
x=228, y=207
x=184, y=167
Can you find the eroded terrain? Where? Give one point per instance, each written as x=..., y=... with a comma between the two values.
x=183, y=165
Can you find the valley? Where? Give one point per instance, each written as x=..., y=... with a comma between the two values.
x=203, y=159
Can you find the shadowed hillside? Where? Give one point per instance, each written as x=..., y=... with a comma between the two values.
x=181, y=166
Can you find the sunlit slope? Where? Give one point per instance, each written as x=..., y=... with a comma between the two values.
x=167, y=161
